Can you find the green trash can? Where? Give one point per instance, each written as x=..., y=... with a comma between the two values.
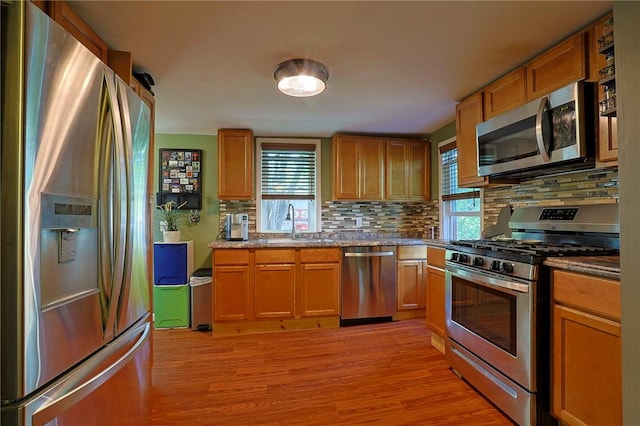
x=171, y=306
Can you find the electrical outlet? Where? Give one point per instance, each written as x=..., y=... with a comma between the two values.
x=358, y=222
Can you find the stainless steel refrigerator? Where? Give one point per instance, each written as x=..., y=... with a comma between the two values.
x=75, y=322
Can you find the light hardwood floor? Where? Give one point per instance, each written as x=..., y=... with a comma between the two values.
x=382, y=374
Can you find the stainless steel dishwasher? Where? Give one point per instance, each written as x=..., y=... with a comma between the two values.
x=368, y=284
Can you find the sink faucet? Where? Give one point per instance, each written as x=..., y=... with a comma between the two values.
x=291, y=215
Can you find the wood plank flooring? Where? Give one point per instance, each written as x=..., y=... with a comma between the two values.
x=382, y=374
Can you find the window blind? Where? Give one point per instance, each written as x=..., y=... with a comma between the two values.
x=288, y=171
x=450, y=189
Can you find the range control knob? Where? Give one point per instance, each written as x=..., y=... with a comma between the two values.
x=478, y=261
x=464, y=258
x=455, y=256
x=507, y=267
x=495, y=265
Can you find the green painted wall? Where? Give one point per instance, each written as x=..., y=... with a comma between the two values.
x=206, y=230
x=442, y=134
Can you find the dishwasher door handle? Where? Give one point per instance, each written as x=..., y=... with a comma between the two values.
x=374, y=254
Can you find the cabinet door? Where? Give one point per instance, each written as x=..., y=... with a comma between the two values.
x=468, y=115
x=320, y=289
x=435, y=301
x=506, y=93
x=235, y=164
x=274, y=291
x=372, y=169
x=346, y=154
x=397, y=169
x=410, y=285
x=231, y=293
x=70, y=21
x=587, y=374
x=607, y=126
x=419, y=170
x=557, y=67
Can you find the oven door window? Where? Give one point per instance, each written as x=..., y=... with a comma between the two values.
x=489, y=313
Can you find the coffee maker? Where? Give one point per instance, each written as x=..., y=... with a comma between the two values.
x=237, y=227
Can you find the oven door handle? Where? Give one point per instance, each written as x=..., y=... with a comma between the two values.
x=505, y=286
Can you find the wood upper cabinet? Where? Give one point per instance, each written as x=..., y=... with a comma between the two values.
x=411, y=264
x=407, y=170
x=607, y=125
x=70, y=21
x=235, y=164
x=320, y=282
x=435, y=291
x=557, y=67
x=586, y=366
x=506, y=93
x=468, y=116
x=358, y=167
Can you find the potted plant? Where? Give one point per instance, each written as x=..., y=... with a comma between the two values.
x=170, y=219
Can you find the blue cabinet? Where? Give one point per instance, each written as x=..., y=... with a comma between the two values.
x=172, y=263
x=172, y=269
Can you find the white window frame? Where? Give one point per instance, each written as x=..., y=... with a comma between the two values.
x=318, y=200
x=446, y=229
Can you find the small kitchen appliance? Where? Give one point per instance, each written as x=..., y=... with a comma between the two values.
x=498, y=302
x=237, y=227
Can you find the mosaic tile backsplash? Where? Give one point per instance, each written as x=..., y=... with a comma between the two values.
x=413, y=219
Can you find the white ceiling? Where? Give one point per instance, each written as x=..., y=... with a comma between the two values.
x=394, y=67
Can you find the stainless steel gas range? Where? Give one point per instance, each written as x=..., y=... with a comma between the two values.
x=498, y=302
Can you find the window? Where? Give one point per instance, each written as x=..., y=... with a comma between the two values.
x=460, y=211
x=288, y=173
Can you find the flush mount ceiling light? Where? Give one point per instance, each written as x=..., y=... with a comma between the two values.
x=301, y=77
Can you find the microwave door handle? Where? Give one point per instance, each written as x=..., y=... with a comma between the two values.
x=539, y=130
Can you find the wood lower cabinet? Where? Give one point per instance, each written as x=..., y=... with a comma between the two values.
x=586, y=365
x=274, y=291
x=258, y=290
x=231, y=293
x=410, y=282
x=410, y=274
x=320, y=289
x=236, y=153
x=320, y=282
x=435, y=291
x=232, y=278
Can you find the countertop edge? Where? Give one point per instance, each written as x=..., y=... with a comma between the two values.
x=599, y=266
x=302, y=243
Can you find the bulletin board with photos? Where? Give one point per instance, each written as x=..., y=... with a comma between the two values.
x=181, y=177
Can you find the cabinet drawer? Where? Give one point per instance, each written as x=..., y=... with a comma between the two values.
x=319, y=255
x=412, y=252
x=435, y=257
x=231, y=257
x=275, y=256
x=595, y=294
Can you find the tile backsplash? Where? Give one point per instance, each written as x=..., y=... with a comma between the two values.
x=590, y=187
x=407, y=219
x=413, y=219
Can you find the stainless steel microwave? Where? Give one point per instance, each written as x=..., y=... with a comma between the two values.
x=550, y=134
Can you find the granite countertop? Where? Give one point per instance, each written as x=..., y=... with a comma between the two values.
x=600, y=266
x=325, y=242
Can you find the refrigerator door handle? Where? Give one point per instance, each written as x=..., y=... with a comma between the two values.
x=66, y=395
x=112, y=224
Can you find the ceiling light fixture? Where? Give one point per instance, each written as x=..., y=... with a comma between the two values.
x=301, y=77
